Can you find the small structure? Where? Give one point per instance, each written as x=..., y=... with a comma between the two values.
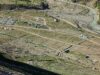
x=67, y=50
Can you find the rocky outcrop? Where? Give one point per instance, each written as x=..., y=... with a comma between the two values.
x=7, y=21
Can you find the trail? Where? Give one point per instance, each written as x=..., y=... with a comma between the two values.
x=60, y=33
x=62, y=19
x=19, y=28
x=32, y=33
x=95, y=28
x=93, y=25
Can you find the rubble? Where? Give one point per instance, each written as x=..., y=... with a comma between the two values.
x=7, y=21
x=84, y=37
x=34, y=24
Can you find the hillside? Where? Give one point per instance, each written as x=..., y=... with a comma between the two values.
x=59, y=36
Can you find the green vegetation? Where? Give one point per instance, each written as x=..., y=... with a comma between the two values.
x=98, y=6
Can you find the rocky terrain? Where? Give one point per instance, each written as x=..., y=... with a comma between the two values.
x=64, y=38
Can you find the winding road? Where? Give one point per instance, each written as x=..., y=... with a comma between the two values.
x=90, y=26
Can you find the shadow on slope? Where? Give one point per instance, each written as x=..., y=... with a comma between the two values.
x=42, y=6
x=22, y=67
